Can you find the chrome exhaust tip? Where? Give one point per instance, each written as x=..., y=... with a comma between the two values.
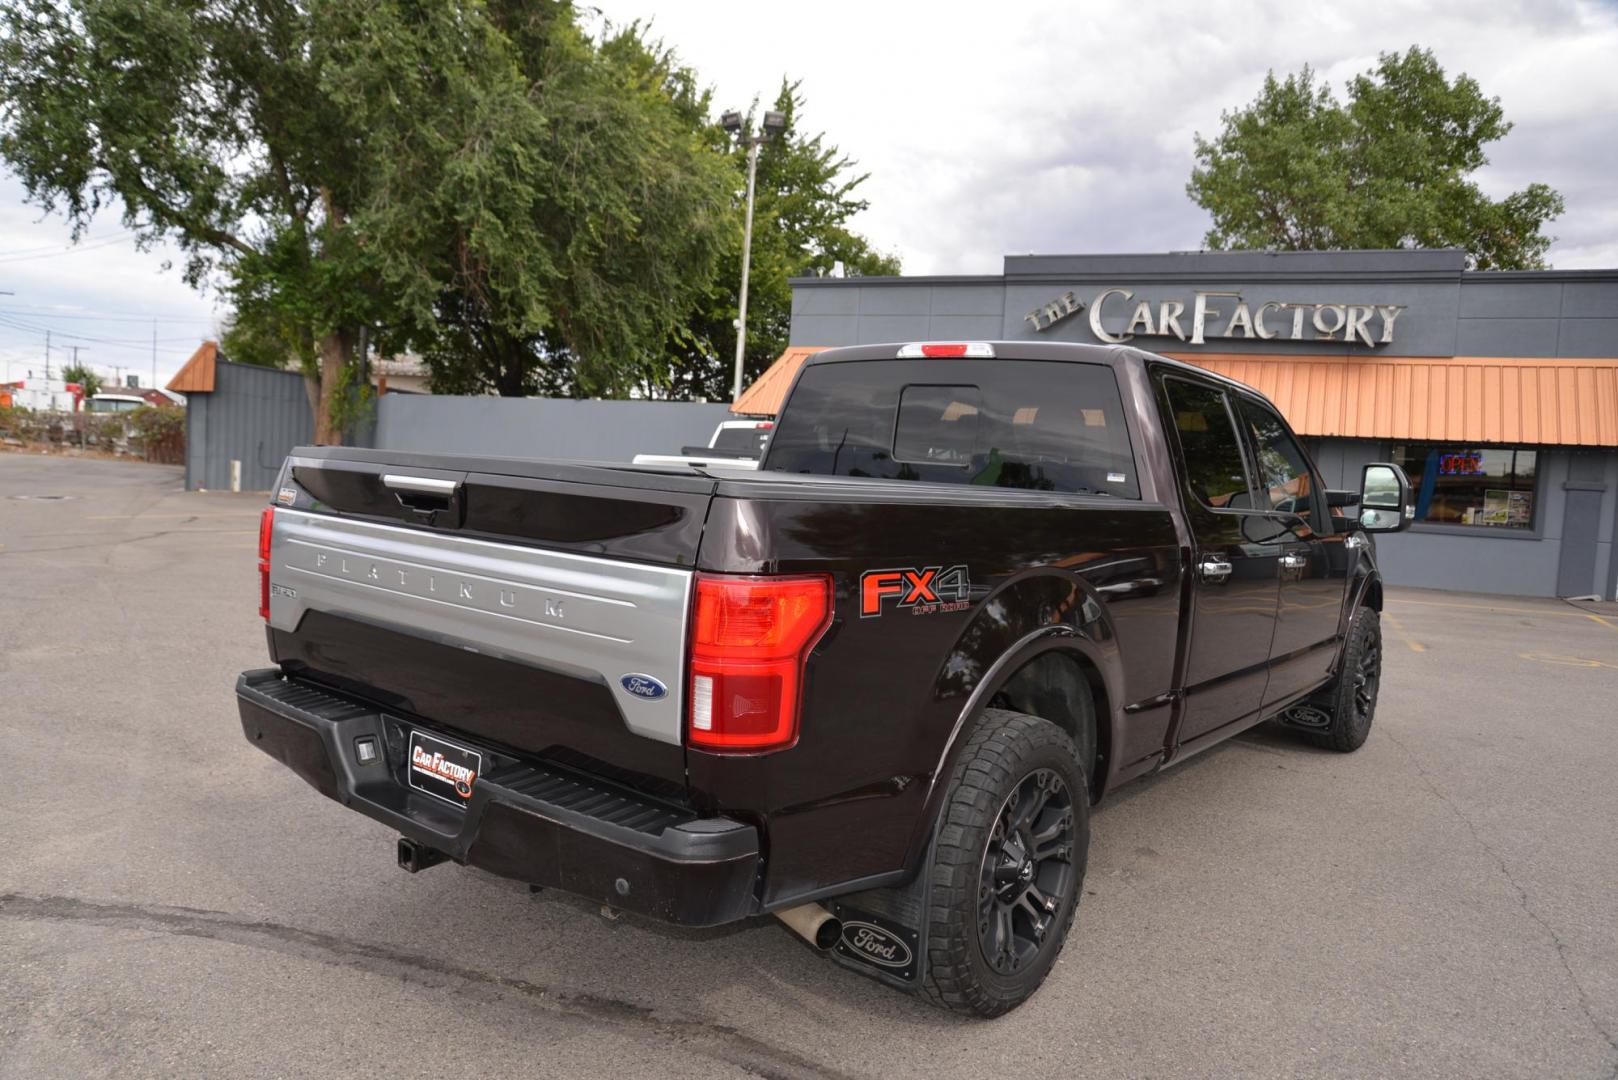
x=813, y=923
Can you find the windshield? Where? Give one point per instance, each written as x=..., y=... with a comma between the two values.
x=1039, y=425
x=748, y=440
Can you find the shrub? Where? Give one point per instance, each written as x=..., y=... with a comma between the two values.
x=158, y=432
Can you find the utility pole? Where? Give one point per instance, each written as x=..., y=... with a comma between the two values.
x=774, y=124
x=7, y=292
x=47, y=360
x=154, y=352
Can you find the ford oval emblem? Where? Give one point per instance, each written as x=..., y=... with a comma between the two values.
x=644, y=686
x=872, y=943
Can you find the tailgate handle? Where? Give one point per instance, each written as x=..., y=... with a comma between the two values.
x=421, y=485
x=421, y=494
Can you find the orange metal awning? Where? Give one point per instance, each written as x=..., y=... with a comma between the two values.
x=1470, y=399
x=1474, y=399
x=765, y=396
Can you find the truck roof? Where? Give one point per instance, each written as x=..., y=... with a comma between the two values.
x=1072, y=352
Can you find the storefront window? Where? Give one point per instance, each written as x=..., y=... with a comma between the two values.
x=1488, y=487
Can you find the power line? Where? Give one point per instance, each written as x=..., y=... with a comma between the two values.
x=42, y=248
x=18, y=324
x=47, y=313
x=142, y=315
x=68, y=251
x=74, y=250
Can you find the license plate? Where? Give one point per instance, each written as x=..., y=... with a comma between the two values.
x=442, y=768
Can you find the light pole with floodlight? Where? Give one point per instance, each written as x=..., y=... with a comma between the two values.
x=774, y=124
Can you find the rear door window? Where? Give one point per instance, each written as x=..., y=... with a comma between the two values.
x=1214, y=466
x=1036, y=425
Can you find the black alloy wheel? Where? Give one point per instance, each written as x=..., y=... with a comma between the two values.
x=1027, y=872
x=1351, y=699
x=1367, y=680
x=1006, y=867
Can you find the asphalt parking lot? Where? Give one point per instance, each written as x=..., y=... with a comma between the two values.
x=172, y=902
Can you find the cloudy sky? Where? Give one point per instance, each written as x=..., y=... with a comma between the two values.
x=986, y=130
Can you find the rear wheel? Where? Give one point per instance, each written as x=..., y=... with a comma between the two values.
x=1351, y=700
x=1007, y=865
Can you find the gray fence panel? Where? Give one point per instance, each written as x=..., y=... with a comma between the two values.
x=254, y=415
x=542, y=427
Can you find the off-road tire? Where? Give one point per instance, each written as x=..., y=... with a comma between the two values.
x=1004, y=751
x=1351, y=700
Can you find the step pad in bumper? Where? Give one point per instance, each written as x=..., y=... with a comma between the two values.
x=528, y=820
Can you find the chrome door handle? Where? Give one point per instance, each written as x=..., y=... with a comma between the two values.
x=1213, y=571
x=1293, y=561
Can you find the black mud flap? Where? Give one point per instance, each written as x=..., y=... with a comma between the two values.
x=885, y=931
x=878, y=946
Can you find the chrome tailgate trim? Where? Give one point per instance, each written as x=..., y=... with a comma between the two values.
x=598, y=619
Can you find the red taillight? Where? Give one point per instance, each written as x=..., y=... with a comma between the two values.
x=750, y=637
x=266, y=526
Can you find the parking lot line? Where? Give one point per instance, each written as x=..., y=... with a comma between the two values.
x=1500, y=610
x=1398, y=628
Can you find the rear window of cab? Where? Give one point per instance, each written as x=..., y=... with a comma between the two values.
x=1030, y=424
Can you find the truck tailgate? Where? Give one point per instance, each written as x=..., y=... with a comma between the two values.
x=541, y=608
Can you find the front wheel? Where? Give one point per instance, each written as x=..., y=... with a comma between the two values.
x=1007, y=866
x=1351, y=700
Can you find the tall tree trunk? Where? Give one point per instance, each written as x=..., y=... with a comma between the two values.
x=336, y=352
x=509, y=380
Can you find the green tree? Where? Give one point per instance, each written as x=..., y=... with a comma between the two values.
x=89, y=380
x=580, y=230
x=333, y=165
x=211, y=125
x=1392, y=168
x=804, y=199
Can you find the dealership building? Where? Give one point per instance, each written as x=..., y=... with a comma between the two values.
x=1497, y=391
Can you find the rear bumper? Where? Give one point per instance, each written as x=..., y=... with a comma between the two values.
x=530, y=822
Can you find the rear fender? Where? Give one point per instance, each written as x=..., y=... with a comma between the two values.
x=1029, y=616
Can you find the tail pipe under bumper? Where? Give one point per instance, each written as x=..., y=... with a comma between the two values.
x=813, y=923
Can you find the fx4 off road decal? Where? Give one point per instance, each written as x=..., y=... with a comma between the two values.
x=924, y=592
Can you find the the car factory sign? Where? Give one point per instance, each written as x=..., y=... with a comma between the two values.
x=1216, y=314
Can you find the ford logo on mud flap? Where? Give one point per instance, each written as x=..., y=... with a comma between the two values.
x=644, y=686
x=870, y=942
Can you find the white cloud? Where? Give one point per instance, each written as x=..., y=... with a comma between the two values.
x=101, y=296
x=987, y=130
x=1060, y=127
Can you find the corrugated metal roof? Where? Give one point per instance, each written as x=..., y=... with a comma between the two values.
x=765, y=396
x=197, y=376
x=1479, y=399
x=1463, y=399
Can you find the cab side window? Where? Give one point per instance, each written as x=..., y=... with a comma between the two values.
x=1285, y=479
x=1208, y=442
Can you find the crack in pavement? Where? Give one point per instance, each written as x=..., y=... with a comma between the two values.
x=1562, y=950
x=117, y=541
x=717, y=1041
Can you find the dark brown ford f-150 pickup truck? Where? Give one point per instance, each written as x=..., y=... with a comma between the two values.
x=873, y=688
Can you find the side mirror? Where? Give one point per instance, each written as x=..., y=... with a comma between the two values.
x=1385, y=503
